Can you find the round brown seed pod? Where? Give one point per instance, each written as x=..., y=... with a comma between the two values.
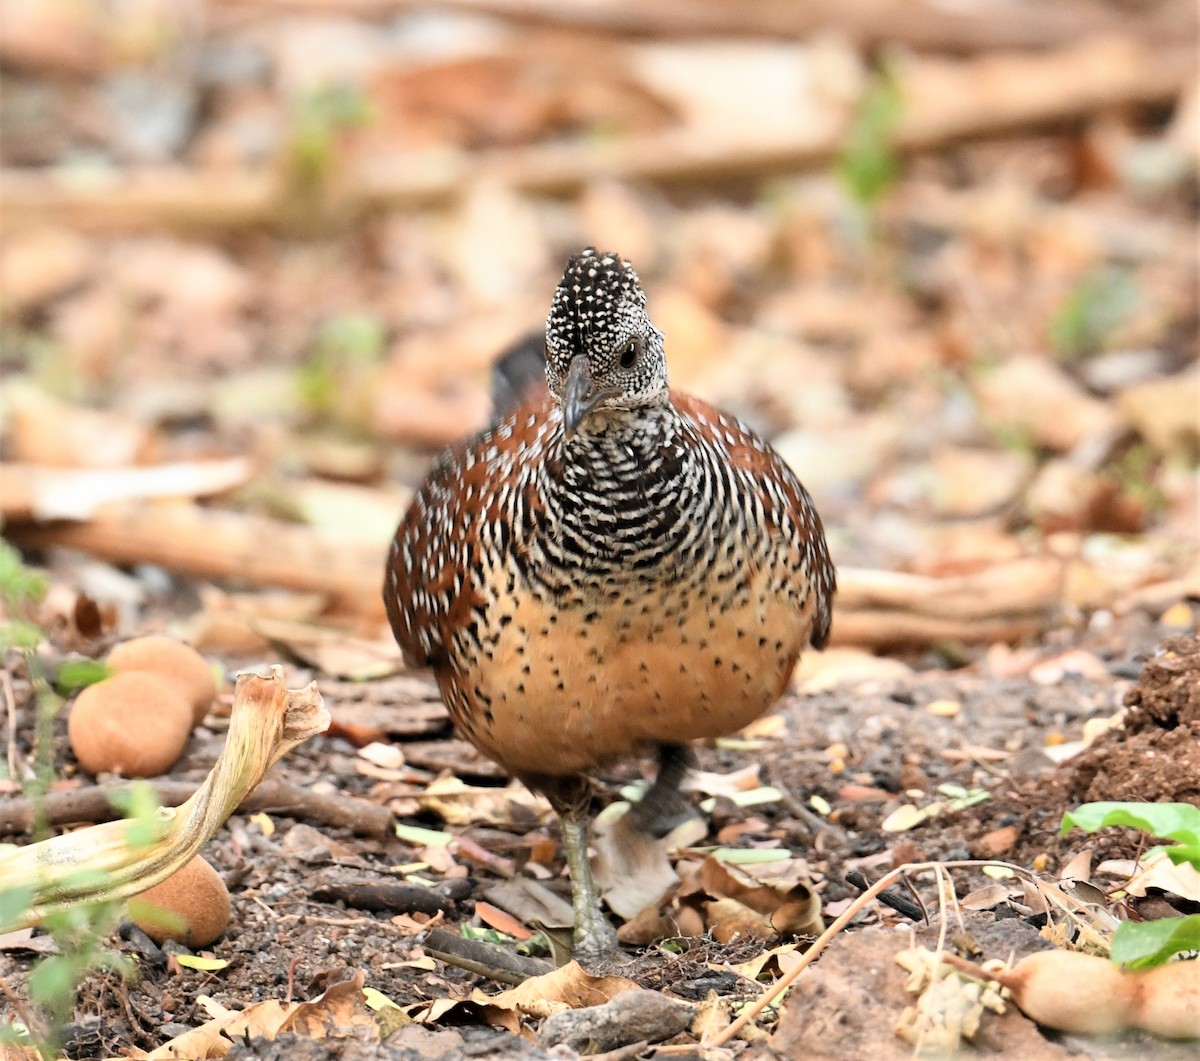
x=191, y=906
x=173, y=660
x=135, y=724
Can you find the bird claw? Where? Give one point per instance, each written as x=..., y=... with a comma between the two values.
x=595, y=946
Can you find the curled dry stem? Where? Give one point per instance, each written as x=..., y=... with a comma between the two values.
x=110, y=861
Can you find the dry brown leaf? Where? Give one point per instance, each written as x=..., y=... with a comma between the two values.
x=714, y=784
x=632, y=868
x=985, y=898
x=214, y=1038
x=568, y=987
x=263, y=1018
x=43, y=493
x=46, y=430
x=340, y=1013
x=651, y=925
x=753, y=968
x=789, y=906
x=332, y=651
x=461, y=804
x=712, y=1017
x=1157, y=871
x=730, y=920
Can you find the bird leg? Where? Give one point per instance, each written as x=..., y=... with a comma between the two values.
x=663, y=807
x=595, y=940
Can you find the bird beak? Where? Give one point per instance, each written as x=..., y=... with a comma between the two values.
x=580, y=395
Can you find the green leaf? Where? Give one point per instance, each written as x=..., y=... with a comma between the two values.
x=79, y=674
x=207, y=965
x=52, y=982
x=969, y=799
x=20, y=634
x=1182, y=853
x=536, y=946
x=13, y=904
x=869, y=165
x=485, y=935
x=1150, y=943
x=1173, y=821
x=19, y=585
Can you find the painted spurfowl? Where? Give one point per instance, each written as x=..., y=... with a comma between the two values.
x=610, y=567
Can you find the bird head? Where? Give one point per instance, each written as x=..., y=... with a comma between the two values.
x=602, y=352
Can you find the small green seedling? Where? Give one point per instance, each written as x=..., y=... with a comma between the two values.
x=868, y=165
x=337, y=379
x=1097, y=306
x=20, y=590
x=319, y=117
x=1143, y=945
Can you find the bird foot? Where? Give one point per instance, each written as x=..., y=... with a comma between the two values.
x=660, y=811
x=595, y=947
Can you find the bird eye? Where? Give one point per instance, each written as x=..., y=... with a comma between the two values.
x=631, y=353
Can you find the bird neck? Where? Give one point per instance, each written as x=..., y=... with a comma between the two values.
x=619, y=447
x=618, y=502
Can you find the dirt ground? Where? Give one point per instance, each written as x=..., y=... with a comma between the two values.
x=864, y=747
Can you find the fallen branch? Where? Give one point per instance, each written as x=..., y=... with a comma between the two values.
x=867, y=24
x=103, y=863
x=1006, y=601
x=209, y=543
x=946, y=102
x=34, y=491
x=95, y=804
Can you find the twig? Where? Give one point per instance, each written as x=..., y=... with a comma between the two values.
x=291, y=980
x=10, y=706
x=344, y=922
x=816, y=824
x=626, y=1053
x=486, y=959
x=363, y=895
x=34, y=1026
x=95, y=804
x=877, y=609
x=905, y=907
x=867, y=25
